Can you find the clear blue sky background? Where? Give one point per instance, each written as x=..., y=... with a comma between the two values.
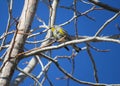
x=107, y=63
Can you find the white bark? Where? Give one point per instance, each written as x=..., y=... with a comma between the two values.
x=18, y=41
x=28, y=69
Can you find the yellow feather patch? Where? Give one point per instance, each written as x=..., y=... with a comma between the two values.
x=52, y=28
x=61, y=31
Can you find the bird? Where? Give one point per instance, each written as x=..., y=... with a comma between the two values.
x=62, y=36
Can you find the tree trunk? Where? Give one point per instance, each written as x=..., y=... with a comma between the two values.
x=16, y=46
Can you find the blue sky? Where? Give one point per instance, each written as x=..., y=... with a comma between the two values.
x=107, y=63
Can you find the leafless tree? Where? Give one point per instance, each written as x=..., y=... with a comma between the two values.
x=17, y=50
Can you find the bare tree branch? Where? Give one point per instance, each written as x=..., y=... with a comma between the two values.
x=105, y=6
x=30, y=75
x=48, y=35
x=87, y=39
x=10, y=3
x=16, y=49
x=106, y=23
x=93, y=64
x=17, y=43
x=27, y=69
x=79, y=14
x=70, y=76
x=96, y=49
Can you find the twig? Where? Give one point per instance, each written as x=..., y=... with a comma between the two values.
x=105, y=6
x=67, y=74
x=36, y=42
x=53, y=10
x=30, y=75
x=10, y=4
x=71, y=58
x=51, y=84
x=76, y=20
x=40, y=20
x=38, y=33
x=85, y=2
x=96, y=49
x=27, y=69
x=37, y=51
x=79, y=14
x=5, y=46
x=5, y=34
x=106, y=23
x=44, y=71
x=45, y=67
x=93, y=64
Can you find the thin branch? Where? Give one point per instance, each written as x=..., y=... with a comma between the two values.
x=44, y=70
x=85, y=2
x=69, y=75
x=75, y=20
x=93, y=63
x=5, y=46
x=71, y=59
x=30, y=75
x=38, y=33
x=36, y=42
x=10, y=4
x=73, y=78
x=53, y=10
x=106, y=23
x=45, y=67
x=40, y=20
x=37, y=51
x=46, y=75
x=5, y=34
x=27, y=69
x=105, y=6
x=96, y=49
x=39, y=27
x=40, y=62
x=3, y=55
x=43, y=80
x=79, y=14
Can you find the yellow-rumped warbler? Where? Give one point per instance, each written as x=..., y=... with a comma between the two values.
x=62, y=36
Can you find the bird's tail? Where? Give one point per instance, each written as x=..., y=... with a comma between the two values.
x=77, y=49
x=66, y=48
